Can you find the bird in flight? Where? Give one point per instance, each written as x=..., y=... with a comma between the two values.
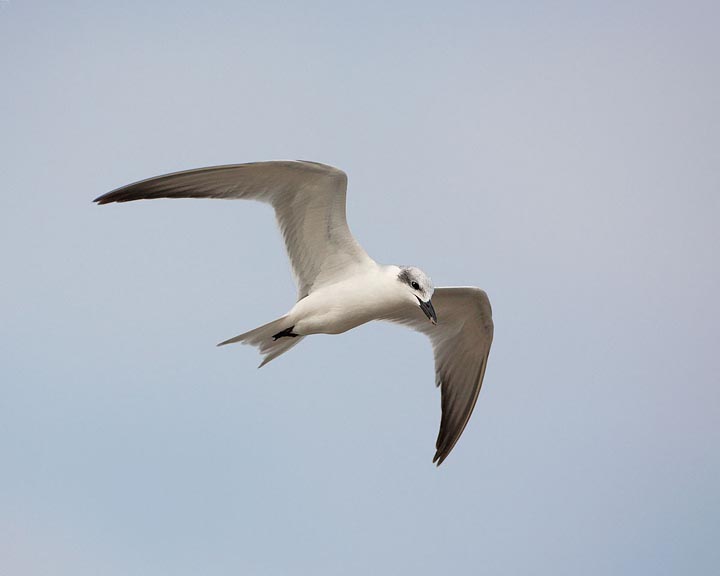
x=339, y=286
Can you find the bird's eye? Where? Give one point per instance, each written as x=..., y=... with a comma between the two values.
x=415, y=285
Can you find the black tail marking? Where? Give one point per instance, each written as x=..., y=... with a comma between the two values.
x=288, y=332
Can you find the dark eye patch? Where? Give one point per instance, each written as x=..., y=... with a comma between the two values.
x=406, y=277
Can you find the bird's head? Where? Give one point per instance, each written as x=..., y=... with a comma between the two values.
x=419, y=289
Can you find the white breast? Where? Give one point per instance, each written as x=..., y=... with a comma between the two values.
x=342, y=306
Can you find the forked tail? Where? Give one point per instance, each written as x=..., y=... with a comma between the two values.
x=266, y=340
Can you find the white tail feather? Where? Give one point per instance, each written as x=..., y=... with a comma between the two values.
x=262, y=339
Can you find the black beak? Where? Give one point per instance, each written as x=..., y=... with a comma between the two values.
x=427, y=307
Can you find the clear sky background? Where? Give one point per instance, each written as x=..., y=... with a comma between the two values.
x=564, y=156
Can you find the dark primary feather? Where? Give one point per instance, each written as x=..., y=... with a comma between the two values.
x=229, y=181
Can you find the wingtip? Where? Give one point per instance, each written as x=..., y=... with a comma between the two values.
x=100, y=200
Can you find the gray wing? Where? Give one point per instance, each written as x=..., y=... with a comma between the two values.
x=461, y=343
x=309, y=203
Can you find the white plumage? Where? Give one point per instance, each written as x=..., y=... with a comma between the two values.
x=339, y=285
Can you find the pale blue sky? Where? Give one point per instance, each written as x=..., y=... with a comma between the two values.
x=564, y=156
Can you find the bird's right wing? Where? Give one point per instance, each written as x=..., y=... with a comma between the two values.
x=461, y=343
x=309, y=203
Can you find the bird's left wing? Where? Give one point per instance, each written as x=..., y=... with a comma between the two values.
x=309, y=203
x=461, y=343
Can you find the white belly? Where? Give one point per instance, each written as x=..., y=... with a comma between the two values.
x=343, y=306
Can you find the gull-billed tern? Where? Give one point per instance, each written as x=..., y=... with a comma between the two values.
x=339, y=285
